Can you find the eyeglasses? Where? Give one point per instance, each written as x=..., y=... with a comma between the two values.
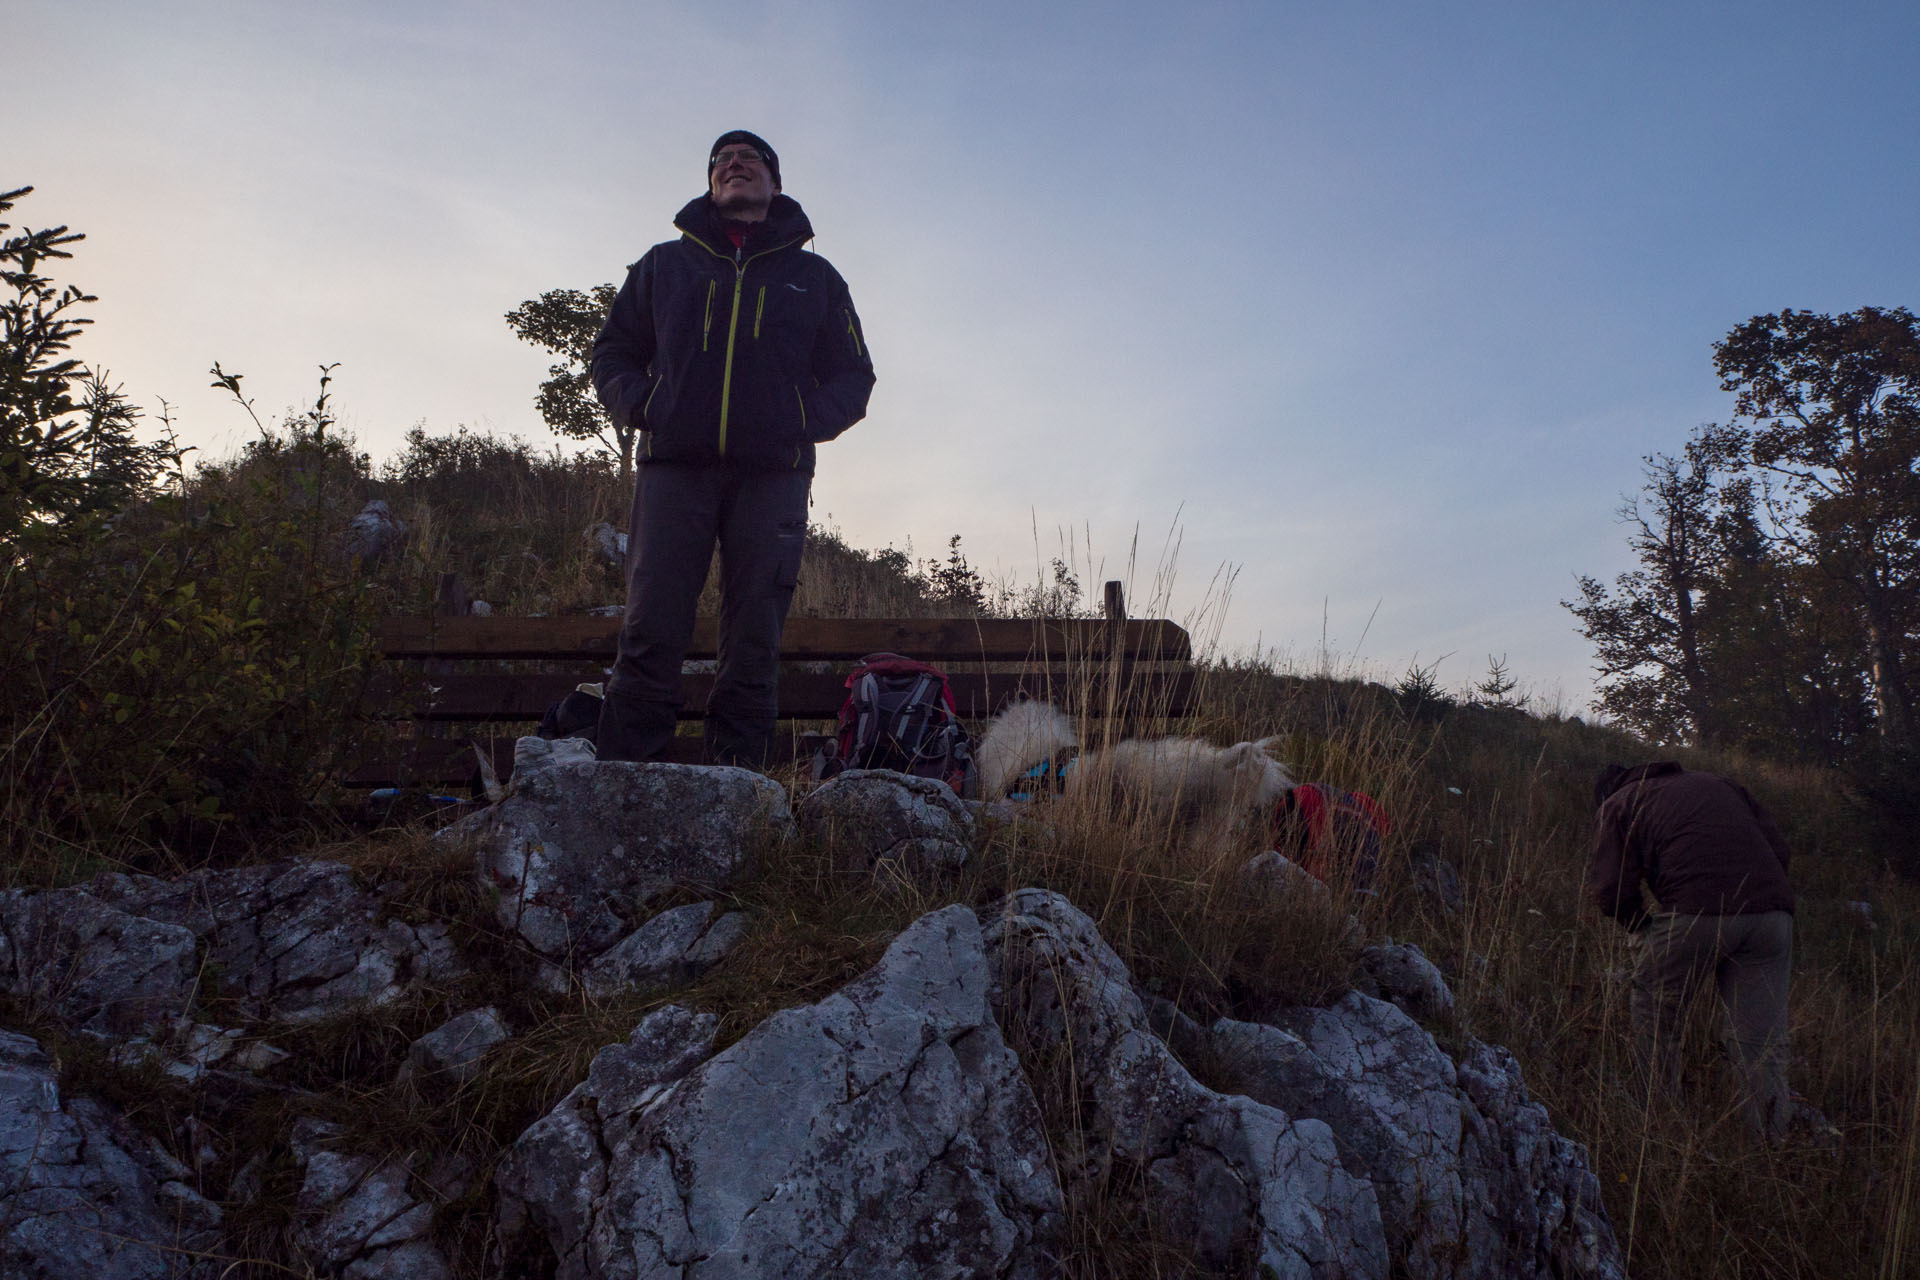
x=745, y=155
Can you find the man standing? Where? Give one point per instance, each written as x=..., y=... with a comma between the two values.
x=733, y=352
x=1718, y=866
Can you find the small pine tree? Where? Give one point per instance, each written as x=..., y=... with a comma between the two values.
x=956, y=582
x=67, y=444
x=1497, y=688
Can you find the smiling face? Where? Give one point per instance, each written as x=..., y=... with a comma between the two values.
x=740, y=183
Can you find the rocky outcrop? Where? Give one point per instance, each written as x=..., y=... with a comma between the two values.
x=360, y=1218
x=578, y=851
x=93, y=966
x=991, y=1079
x=373, y=531
x=905, y=827
x=1470, y=1177
x=81, y=1194
x=1241, y=1187
x=450, y=1053
x=672, y=949
x=295, y=940
x=887, y=1130
x=1401, y=973
x=552, y=1183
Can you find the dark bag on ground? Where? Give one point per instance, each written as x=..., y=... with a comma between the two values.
x=575, y=716
x=899, y=714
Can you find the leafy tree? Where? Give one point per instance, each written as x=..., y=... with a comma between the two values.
x=1832, y=405
x=1784, y=655
x=1645, y=629
x=67, y=445
x=565, y=322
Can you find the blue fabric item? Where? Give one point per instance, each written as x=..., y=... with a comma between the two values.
x=1045, y=779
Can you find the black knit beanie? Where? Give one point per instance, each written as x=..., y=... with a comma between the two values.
x=753, y=140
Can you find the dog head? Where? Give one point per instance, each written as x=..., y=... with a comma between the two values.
x=1256, y=774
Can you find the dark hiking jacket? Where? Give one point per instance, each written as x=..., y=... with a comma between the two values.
x=749, y=355
x=1704, y=844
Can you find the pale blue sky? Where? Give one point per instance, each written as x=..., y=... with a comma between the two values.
x=1381, y=302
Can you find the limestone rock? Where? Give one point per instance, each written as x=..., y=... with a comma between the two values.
x=916, y=824
x=673, y=948
x=1400, y=972
x=81, y=1194
x=577, y=850
x=554, y=1178
x=886, y=1130
x=450, y=1053
x=358, y=1218
x=611, y=546
x=190, y=1051
x=531, y=754
x=1466, y=1187
x=92, y=965
x=373, y=531
x=296, y=940
x=1535, y=1182
x=1234, y=1181
x=1437, y=880
x=1274, y=872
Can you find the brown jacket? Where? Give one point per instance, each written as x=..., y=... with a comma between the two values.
x=1703, y=843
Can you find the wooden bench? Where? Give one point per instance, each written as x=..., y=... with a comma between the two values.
x=447, y=682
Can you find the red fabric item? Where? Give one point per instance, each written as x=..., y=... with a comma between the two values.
x=1312, y=806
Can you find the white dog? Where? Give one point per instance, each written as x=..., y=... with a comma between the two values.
x=1185, y=773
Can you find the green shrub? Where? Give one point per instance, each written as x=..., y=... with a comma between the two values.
x=197, y=657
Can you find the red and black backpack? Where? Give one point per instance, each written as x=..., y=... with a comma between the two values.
x=899, y=714
x=1330, y=831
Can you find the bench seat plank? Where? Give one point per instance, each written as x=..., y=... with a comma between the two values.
x=469, y=697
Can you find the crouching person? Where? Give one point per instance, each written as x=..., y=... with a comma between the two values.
x=1717, y=866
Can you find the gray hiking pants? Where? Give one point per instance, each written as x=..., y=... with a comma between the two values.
x=680, y=511
x=1750, y=958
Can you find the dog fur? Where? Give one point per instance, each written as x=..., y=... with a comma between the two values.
x=1186, y=774
x=1020, y=737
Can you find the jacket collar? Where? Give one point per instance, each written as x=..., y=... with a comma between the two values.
x=786, y=224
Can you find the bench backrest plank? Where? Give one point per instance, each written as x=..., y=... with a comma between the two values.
x=938, y=640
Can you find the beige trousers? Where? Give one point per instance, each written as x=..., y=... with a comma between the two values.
x=1750, y=958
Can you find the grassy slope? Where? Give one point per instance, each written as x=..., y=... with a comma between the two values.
x=1498, y=794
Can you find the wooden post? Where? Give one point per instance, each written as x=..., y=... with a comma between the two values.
x=1115, y=606
x=450, y=599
